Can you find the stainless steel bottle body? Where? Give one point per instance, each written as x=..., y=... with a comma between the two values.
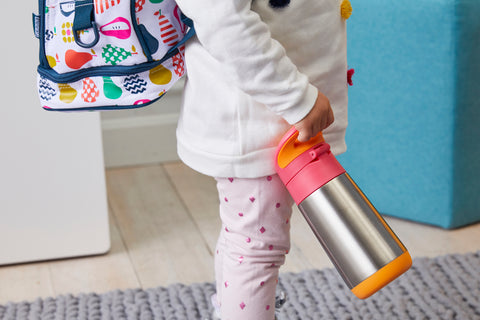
x=356, y=238
x=363, y=248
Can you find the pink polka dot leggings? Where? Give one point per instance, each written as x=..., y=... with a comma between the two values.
x=252, y=245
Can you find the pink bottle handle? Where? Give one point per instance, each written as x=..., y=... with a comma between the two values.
x=305, y=166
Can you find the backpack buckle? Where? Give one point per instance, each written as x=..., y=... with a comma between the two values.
x=92, y=43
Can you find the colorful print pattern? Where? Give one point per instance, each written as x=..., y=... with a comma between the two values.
x=119, y=45
x=109, y=92
x=102, y=5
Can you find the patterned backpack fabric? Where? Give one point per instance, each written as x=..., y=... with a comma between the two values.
x=108, y=54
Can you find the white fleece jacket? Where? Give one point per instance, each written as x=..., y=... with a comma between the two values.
x=253, y=71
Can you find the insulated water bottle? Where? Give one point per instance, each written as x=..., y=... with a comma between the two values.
x=358, y=241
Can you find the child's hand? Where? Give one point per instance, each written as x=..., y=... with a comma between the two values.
x=319, y=118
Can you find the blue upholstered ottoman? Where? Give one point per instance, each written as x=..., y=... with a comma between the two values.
x=414, y=109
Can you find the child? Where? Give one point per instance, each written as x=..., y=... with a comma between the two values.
x=254, y=70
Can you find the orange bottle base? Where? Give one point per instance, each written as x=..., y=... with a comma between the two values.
x=383, y=276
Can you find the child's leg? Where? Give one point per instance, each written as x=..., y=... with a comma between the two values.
x=219, y=251
x=252, y=245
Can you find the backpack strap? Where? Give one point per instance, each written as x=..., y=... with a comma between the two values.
x=191, y=30
x=84, y=19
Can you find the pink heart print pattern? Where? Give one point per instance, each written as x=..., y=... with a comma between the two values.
x=90, y=91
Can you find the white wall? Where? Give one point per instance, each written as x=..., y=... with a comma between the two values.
x=52, y=182
x=143, y=136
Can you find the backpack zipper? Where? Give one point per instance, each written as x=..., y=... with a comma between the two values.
x=101, y=71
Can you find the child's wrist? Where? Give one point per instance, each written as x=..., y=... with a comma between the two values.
x=302, y=108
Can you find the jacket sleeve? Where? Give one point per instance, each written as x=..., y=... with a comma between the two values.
x=237, y=37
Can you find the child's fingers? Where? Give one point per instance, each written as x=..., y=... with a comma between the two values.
x=303, y=136
x=319, y=118
x=301, y=133
x=306, y=132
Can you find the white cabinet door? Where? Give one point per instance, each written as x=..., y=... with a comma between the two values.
x=52, y=180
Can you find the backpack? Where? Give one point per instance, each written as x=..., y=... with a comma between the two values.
x=108, y=54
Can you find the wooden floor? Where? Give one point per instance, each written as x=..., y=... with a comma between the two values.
x=164, y=225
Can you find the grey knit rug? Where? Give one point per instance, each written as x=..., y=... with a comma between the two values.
x=446, y=287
